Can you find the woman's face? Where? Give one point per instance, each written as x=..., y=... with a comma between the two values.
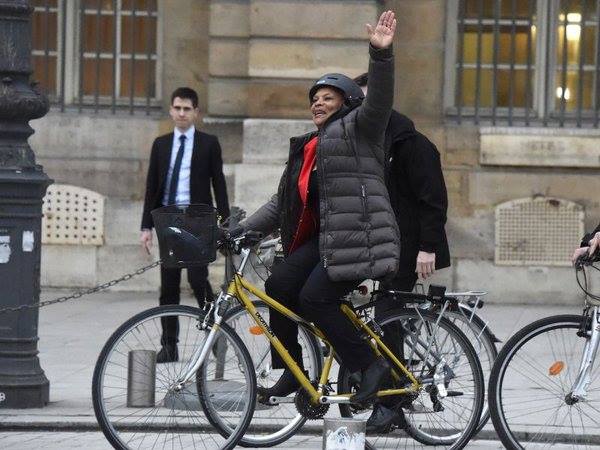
x=325, y=102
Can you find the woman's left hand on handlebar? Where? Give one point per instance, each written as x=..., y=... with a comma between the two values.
x=382, y=35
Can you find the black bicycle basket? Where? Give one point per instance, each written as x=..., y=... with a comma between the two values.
x=187, y=235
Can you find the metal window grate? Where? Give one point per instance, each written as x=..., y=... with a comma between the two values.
x=98, y=53
x=525, y=62
x=72, y=215
x=537, y=231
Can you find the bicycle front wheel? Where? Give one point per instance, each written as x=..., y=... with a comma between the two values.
x=272, y=425
x=137, y=402
x=530, y=386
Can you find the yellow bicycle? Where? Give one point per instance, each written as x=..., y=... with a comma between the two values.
x=207, y=397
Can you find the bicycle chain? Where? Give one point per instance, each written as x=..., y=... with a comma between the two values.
x=79, y=294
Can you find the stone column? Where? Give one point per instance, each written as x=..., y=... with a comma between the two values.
x=22, y=187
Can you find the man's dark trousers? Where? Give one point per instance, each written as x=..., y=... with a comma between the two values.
x=170, y=280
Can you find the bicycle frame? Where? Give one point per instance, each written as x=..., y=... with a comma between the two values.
x=238, y=290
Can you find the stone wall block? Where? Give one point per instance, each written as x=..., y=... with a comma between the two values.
x=68, y=265
x=458, y=192
x=83, y=136
x=296, y=58
x=109, y=177
x=462, y=146
x=419, y=75
x=230, y=18
x=412, y=15
x=279, y=99
x=268, y=141
x=300, y=18
x=229, y=132
x=488, y=188
x=228, y=57
x=255, y=184
x=228, y=97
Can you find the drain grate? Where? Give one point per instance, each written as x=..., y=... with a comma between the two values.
x=72, y=215
x=538, y=231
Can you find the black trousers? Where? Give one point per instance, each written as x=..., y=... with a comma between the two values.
x=393, y=333
x=301, y=283
x=170, y=281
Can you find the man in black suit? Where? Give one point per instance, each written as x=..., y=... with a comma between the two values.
x=183, y=164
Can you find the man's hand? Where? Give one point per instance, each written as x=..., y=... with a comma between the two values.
x=591, y=249
x=425, y=264
x=382, y=35
x=146, y=240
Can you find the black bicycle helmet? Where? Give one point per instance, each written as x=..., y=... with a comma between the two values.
x=353, y=94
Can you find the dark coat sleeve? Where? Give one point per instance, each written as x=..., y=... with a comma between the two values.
x=152, y=181
x=218, y=180
x=427, y=182
x=586, y=239
x=374, y=113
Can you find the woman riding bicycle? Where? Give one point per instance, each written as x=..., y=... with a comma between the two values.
x=333, y=211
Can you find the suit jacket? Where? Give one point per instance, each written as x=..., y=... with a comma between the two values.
x=206, y=167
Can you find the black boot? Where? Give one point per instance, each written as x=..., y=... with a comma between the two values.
x=168, y=353
x=382, y=419
x=285, y=386
x=371, y=380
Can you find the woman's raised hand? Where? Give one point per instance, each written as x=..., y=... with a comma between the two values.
x=382, y=34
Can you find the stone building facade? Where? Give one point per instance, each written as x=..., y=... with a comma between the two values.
x=252, y=61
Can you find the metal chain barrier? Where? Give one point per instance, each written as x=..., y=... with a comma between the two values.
x=78, y=294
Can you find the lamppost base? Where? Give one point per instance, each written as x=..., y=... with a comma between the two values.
x=20, y=394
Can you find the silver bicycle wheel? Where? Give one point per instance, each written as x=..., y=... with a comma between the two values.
x=482, y=340
x=438, y=354
x=531, y=384
x=272, y=425
x=137, y=403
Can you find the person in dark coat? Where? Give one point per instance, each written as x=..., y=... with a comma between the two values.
x=337, y=224
x=417, y=190
x=183, y=166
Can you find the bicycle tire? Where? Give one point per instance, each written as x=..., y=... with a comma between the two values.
x=484, y=342
x=414, y=428
x=541, y=345
x=271, y=425
x=175, y=419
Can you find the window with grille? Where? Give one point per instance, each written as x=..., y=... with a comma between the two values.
x=524, y=62
x=96, y=52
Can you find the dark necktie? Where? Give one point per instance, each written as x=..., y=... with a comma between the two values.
x=175, y=173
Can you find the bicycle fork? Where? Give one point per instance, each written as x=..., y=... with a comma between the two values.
x=579, y=391
x=218, y=310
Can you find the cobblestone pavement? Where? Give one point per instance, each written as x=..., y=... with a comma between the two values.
x=95, y=441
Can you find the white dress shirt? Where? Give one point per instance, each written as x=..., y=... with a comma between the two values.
x=183, y=184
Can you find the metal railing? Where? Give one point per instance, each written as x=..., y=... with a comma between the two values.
x=96, y=55
x=527, y=62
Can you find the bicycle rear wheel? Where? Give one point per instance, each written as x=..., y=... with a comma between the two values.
x=165, y=417
x=530, y=382
x=431, y=418
x=272, y=425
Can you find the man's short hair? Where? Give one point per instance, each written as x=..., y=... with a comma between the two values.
x=362, y=79
x=185, y=93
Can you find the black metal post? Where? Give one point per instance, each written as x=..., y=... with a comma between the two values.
x=23, y=184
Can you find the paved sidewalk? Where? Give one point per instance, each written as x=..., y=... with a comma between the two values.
x=73, y=333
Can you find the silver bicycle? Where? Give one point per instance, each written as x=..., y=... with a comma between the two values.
x=543, y=389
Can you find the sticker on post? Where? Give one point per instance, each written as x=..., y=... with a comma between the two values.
x=4, y=249
x=28, y=241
